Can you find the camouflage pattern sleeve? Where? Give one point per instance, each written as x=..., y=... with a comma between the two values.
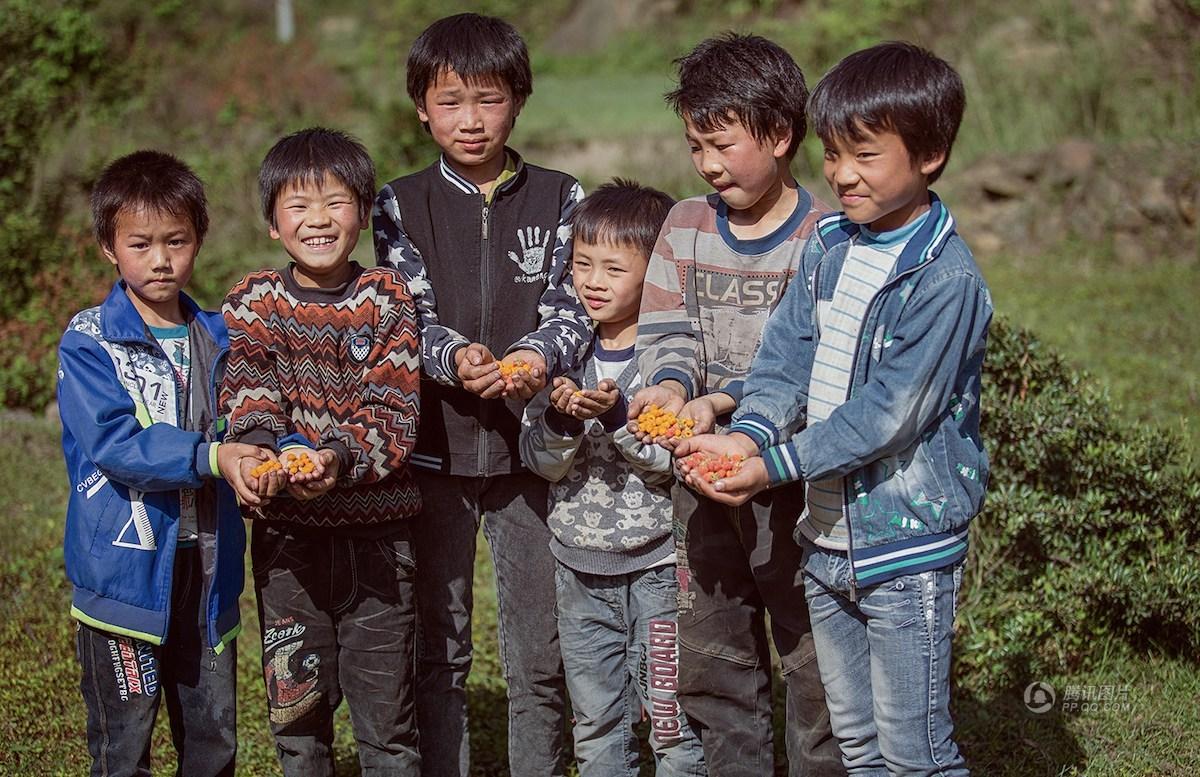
x=393, y=249
x=564, y=329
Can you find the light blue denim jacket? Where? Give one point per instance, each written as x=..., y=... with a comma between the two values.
x=906, y=440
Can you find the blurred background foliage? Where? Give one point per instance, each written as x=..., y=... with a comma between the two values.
x=1075, y=178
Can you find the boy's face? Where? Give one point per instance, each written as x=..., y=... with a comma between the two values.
x=608, y=279
x=876, y=181
x=318, y=225
x=154, y=253
x=470, y=122
x=741, y=168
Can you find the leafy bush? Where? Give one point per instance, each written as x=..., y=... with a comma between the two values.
x=1089, y=539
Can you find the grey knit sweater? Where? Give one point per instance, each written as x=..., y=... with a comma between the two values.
x=610, y=504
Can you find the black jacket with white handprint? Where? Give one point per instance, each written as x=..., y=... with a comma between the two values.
x=492, y=271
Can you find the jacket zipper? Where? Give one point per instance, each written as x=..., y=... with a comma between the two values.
x=213, y=636
x=484, y=319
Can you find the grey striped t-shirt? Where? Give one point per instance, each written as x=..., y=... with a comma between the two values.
x=869, y=265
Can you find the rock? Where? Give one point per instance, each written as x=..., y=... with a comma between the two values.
x=1069, y=162
x=999, y=181
x=1156, y=203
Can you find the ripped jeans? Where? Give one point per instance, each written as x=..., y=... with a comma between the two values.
x=885, y=664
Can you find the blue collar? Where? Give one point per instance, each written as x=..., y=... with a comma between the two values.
x=766, y=243
x=121, y=322
x=923, y=245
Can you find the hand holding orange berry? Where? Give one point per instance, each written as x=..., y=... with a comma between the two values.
x=662, y=426
x=263, y=476
x=724, y=467
x=310, y=473
x=523, y=373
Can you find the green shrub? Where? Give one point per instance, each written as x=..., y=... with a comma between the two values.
x=1088, y=542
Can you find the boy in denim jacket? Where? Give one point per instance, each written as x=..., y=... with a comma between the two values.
x=867, y=388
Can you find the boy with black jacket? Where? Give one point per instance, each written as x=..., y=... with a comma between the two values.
x=483, y=240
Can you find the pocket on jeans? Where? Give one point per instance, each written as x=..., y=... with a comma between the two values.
x=267, y=544
x=397, y=560
x=661, y=580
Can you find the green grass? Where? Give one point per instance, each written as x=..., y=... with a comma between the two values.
x=1133, y=328
x=43, y=721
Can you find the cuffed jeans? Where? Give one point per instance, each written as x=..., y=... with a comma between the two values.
x=125, y=679
x=337, y=617
x=885, y=662
x=512, y=509
x=619, y=640
x=736, y=565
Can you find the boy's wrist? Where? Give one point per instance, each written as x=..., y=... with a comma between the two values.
x=757, y=429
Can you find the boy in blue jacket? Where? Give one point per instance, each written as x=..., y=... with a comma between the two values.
x=872, y=369
x=154, y=538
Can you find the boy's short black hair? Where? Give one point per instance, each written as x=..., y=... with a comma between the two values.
x=308, y=156
x=147, y=179
x=622, y=212
x=746, y=77
x=894, y=87
x=475, y=47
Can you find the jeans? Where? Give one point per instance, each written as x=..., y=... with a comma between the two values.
x=736, y=566
x=512, y=509
x=337, y=618
x=124, y=680
x=619, y=640
x=885, y=661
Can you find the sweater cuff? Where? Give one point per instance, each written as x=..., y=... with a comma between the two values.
x=764, y=433
x=736, y=389
x=562, y=424
x=679, y=376
x=344, y=456
x=783, y=465
x=616, y=417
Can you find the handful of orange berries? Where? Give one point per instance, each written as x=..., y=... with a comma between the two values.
x=657, y=422
x=265, y=467
x=507, y=370
x=714, y=468
x=299, y=463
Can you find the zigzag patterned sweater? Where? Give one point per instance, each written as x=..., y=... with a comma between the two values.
x=341, y=368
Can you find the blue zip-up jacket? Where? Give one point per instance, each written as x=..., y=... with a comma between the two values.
x=906, y=440
x=129, y=452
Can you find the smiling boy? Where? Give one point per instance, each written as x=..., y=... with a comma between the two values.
x=719, y=268
x=610, y=512
x=483, y=240
x=324, y=365
x=867, y=388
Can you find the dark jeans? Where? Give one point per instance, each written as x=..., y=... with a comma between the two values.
x=124, y=680
x=737, y=565
x=513, y=510
x=337, y=615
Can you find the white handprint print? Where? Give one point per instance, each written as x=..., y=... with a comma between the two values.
x=533, y=249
